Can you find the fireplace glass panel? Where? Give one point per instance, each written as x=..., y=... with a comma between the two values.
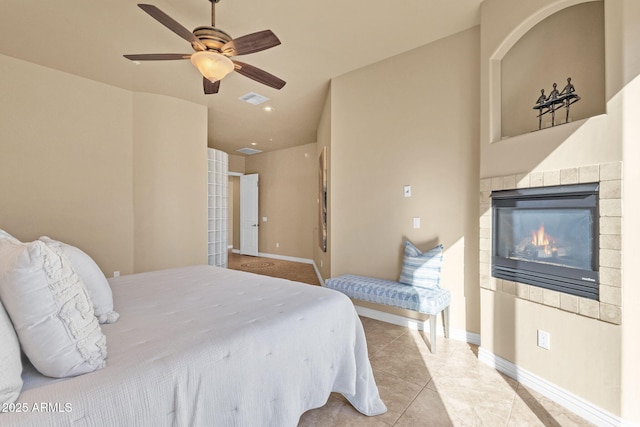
x=548, y=237
x=561, y=237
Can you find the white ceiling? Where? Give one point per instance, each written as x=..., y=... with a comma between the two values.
x=320, y=40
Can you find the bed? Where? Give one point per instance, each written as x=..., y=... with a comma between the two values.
x=207, y=346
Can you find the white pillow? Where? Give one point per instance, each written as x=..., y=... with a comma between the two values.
x=10, y=363
x=5, y=235
x=92, y=277
x=50, y=310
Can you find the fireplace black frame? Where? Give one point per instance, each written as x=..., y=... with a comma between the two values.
x=573, y=281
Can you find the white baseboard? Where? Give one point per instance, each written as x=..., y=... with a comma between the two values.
x=570, y=401
x=420, y=325
x=295, y=259
x=286, y=258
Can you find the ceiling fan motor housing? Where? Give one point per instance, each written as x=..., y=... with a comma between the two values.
x=213, y=38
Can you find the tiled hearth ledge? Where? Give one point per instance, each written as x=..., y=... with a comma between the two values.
x=609, y=175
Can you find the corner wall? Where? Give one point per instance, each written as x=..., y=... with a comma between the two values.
x=323, y=259
x=287, y=197
x=66, y=161
x=67, y=167
x=169, y=182
x=409, y=120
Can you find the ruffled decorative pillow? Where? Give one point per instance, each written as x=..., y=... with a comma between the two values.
x=421, y=269
x=92, y=277
x=5, y=235
x=50, y=310
x=10, y=363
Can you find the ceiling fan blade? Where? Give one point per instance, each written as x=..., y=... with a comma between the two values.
x=259, y=75
x=209, y=86
x=158, y=56
x=251, y=43
x=172, y=24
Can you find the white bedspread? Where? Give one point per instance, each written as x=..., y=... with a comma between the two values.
x=206, y=346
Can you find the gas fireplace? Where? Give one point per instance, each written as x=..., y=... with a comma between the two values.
x=547, y=237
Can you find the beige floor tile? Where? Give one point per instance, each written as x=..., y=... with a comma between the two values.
x=338, y=412
x=406, y=363
x=530, y=408
x=380, y=334
x=473, y=393
x=397, y=394
x=426, y=410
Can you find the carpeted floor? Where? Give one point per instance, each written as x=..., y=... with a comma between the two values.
x=297, y=271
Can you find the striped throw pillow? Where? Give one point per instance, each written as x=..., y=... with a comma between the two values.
x=421, y=269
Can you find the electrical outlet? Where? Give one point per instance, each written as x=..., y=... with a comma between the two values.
x=116, y=273
x=544, y=340
x=277, y=245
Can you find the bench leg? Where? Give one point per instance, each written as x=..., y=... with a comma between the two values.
x=433, y=320
x=445, y=322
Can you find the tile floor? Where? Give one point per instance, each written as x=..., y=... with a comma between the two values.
x=450, y=388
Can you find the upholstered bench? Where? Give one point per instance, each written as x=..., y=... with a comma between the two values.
x=431, y=301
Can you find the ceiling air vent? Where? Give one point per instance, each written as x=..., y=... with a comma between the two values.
x=249, y=151
x=254, y=98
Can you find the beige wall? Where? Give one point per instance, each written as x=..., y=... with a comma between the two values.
x=625, y=18
x=234, y=212
x=588, y=358
x=287, y=197
x=69, y=150
x=169, y=182
x=409, y=120
x=66, y=161
x=237, y=165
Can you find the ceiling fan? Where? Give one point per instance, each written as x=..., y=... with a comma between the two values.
x=213, y=48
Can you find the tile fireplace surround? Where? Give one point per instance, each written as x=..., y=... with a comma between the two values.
x=609, y=175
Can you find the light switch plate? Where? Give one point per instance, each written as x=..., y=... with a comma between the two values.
x=416, y=222
x=407, y=191
x=544, y=339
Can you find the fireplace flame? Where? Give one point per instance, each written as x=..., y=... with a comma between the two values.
x=543, y=240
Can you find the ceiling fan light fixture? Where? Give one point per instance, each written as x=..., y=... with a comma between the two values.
x=212, y=65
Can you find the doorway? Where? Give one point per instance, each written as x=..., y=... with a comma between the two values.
x=249, y=214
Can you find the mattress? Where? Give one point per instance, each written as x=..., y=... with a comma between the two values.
x=207, y=346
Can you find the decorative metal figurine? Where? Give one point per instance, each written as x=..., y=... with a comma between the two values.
x=555, y=100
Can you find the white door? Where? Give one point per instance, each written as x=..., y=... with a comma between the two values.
x=249, y=214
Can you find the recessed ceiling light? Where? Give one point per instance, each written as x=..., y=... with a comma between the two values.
x=254, y=98
x=268, y=108
x=254, y=143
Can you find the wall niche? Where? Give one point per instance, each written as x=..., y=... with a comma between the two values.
x=569, y=43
